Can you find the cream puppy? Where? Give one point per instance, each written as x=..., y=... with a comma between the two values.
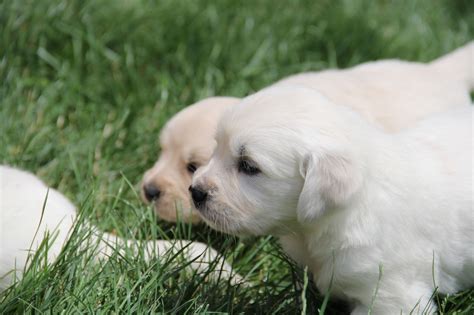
x=391, y=93
x=23, y=227
x=186, y=142
x=387, y=217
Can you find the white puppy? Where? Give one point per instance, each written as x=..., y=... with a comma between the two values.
x=24, y=224
x=345, y=197
x=391, y=93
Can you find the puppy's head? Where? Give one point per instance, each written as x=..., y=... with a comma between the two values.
x=284, y=158
x=187, y=142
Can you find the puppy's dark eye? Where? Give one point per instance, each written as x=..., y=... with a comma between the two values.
x=248, y=167
x=191, y=167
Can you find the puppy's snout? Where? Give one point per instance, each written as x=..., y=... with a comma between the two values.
x=199, y=196
x=151, y=192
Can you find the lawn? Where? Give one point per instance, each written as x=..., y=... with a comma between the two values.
x=87, y=85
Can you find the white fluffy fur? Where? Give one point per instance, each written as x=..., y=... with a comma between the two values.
x=22, y=196
x=346, y=198
x=394, y=94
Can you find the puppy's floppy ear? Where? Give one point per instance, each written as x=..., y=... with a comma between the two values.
x=330, y=180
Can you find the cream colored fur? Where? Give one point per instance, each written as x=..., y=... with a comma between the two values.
x=393, y=94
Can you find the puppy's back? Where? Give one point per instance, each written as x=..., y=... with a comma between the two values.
x=392, y=93
x=22, y=198
x=449, y=133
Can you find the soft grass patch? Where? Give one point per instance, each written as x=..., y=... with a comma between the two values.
x=87, y=85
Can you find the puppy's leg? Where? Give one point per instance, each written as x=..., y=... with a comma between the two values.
x=198, y=256
x=411, y=299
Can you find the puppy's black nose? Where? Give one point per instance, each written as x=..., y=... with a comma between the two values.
x=151, y=192
x=199, y=196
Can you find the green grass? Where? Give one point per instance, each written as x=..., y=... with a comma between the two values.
x=87, y=85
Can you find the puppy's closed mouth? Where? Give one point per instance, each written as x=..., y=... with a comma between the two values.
x=199, y=205
x=200, y=208
x=203, y=211
x=218, y=220
x=212, y=221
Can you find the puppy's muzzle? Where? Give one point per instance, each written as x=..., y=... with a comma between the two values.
x=151, y=192
x=199, y=196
